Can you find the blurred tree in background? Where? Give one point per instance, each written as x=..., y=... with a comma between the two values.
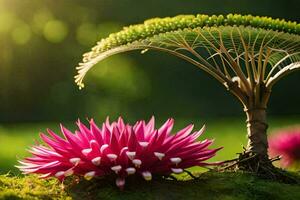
x=41, y=42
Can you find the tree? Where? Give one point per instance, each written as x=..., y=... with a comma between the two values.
x=247, y=54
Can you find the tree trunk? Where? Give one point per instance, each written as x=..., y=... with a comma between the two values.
x=255, y=158
x=257, y=132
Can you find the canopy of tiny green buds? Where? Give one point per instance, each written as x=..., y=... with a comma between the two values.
x=243, y=53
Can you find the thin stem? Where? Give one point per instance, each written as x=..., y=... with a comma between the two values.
x=267, y=57
x=236, y=68
x=285, y=71
x=234, y=89
x=278, y=63
x=250, y=76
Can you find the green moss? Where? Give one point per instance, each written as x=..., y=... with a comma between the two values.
x=30, y=187
x=209, y=186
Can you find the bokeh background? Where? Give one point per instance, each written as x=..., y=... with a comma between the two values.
x=42, y=41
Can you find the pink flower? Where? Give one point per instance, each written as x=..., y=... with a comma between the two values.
x=286, y=144
x=120, y=149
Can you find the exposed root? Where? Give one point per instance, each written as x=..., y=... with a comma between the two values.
x=260, y=166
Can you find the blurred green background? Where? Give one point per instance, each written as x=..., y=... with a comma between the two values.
x=42, y=41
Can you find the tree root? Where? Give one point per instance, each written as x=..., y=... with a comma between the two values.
x=260, y=166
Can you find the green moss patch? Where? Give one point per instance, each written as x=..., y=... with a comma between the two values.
x=213, y=186
x=30, y=187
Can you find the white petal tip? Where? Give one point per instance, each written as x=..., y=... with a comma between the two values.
x=130, y=170
x=116, y=168
x=137, y=162
x=45, y=175
x=131, y=154
x=175, y=160
x=204, y=141
x=177, y=170
x=86, y=151
x=103, y=147
x=75, y=161
x=112, y=156
x=147, y=175
x=144, y=144
x=96, y=161
x=89, y=175
x=93, y=142
x=59, y=174
x=159, y=155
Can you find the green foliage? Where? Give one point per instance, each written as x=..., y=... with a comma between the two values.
x=155, y=26
x=213, y=186
x=225, y=47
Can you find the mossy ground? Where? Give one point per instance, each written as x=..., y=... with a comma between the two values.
x=210, y=185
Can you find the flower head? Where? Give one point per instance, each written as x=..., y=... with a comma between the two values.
x=286, y=144
x=120, y=149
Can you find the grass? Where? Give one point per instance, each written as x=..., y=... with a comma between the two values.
x=212, y=186
x=30, y=187
x=229, y=133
